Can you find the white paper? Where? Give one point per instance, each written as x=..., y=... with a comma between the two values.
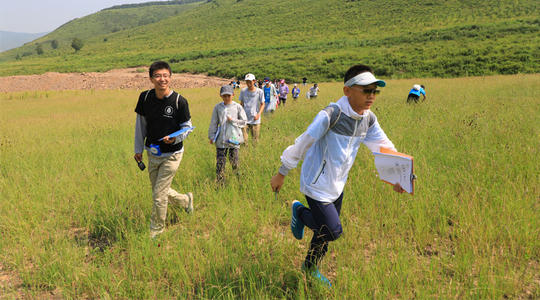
x=395, y=169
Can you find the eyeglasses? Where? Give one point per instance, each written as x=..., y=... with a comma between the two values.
x=165, y=76
x=370, y=91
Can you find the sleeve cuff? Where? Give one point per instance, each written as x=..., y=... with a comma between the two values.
x=284, y=170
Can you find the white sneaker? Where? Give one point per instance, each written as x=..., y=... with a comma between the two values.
x=189, y=208
x=154, y=234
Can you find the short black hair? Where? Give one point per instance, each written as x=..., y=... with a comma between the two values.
x=355, y=70
x=158, y=65
x=423, y=86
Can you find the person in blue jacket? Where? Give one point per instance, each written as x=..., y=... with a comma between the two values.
x=328, y=148
x=415, y=92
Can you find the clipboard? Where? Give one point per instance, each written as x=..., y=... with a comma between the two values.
x=395, y=167
x=179, y=132
x=217, y=134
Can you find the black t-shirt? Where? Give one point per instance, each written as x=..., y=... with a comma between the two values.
x=163, y=117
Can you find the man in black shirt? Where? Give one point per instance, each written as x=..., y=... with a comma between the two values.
x=161, y=112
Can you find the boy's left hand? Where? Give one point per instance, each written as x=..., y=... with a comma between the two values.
x=168, y=140
x=398, y=188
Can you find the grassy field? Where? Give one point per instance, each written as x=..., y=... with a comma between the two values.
x=74, y=209
x=296, y=38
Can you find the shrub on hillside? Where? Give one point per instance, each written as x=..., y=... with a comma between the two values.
x=39, y=49
x=77, y=44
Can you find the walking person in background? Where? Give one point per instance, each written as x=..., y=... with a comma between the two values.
x=415, y=92
x=313, y=91
x=283, y=92
x=160, y=112
x=270, y=96
x=252, y=100
x=225, y=131
x=304, y=81
x=328, y=148
x=295, y=92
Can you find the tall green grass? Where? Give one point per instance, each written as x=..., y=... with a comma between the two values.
x=74, y=209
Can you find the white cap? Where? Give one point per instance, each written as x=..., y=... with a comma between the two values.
x=364, y=79
x=249, y=76
x=416, y=87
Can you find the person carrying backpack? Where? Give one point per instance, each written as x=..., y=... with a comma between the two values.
x=328, y=148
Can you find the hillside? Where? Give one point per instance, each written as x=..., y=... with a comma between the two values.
x=291, y=39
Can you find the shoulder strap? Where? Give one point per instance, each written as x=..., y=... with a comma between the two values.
x=177, y=97
x=371, y=118
x=146, y=95
x=334, y=112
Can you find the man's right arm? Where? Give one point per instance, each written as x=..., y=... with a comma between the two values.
x=140, y=135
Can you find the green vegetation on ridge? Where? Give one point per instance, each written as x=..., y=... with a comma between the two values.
x=316, y=38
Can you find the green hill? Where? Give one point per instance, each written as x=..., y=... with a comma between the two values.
x=291, y=39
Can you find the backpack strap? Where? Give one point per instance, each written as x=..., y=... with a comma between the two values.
x=371, y=118
x=146, y=95
x=177, y=97
x=334, y=112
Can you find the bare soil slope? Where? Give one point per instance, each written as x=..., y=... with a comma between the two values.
x=113, y=79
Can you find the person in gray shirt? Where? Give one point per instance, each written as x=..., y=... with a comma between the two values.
x=228, y=117
x=252, y=99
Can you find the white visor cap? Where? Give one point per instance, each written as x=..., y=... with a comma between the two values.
x=364, y=79
x=249, y=76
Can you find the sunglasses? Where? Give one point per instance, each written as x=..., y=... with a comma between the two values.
x=370, y=91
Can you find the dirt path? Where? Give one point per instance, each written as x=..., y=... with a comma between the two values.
x=113, y=79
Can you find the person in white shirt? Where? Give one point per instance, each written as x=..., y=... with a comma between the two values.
x=252, y=100
x=313, y=91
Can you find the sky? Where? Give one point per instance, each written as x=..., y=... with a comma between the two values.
x=37, y=16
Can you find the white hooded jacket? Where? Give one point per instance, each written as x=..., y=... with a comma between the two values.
x=329, y=150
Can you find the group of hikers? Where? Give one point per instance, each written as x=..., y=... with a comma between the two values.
x=276, y=92
x=328, y=147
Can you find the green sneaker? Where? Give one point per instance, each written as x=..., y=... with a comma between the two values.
x=313, y=272
x=189, y=208
x=297, y=226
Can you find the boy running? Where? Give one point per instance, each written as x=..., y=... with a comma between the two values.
x=329, y=147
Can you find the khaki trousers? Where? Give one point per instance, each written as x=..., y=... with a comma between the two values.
x=162, y=171
x=253, y=129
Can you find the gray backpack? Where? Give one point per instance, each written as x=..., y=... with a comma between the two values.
x=334, y=112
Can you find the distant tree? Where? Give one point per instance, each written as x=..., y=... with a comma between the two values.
x=54, y=44
x=18, y=57
x=77, y=44
x=39, y=49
